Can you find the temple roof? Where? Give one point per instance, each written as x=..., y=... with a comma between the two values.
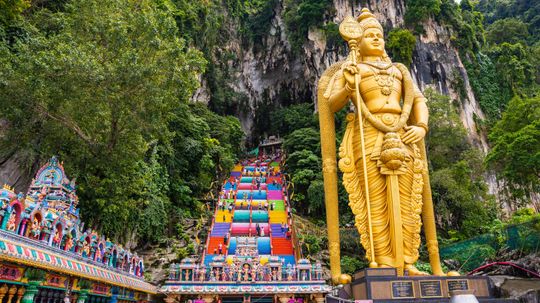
x=15, y=248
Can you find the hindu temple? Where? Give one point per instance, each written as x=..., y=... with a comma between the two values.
x=47, y=255
x=252, y=252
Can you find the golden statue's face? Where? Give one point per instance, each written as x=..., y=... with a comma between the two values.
x=372, y=43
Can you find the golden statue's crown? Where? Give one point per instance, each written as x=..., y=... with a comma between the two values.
x=368, y=20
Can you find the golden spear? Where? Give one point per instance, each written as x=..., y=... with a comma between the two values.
x=351, y=32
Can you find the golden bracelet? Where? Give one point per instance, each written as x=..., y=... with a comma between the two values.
x=348, y=88
x=423, y=125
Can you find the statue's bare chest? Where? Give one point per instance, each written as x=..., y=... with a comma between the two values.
x=381, y=87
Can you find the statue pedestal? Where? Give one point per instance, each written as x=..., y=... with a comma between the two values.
x=381, y=285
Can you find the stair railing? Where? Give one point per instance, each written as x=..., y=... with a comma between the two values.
x=294, y=237
x=210, y=231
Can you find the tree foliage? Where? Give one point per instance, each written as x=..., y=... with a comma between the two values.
x=11, y=10
x=516, y=149
x=510, y=30
x=523, y=10
x=420, y=10
x=350, y=265
x=459, y=191
x=300, y=15
x=400, y=43
x=111, y=99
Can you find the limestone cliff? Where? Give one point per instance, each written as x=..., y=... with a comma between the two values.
x=273, y=73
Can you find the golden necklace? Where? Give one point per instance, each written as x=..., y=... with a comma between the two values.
x=383, y=77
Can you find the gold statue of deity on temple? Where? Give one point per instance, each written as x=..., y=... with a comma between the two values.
x=382, y=155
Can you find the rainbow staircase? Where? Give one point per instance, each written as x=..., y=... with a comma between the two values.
x=251, y=241
x=257, y=214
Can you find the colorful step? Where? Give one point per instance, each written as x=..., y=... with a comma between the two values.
x=245, y=186
x=243, y=194
x=262, y=226
x=263, y=245
x=277, y=216
x=271, y=180
x=223, y=216
x=241, y=216
x=248, y=180
x=259, y=194
x=255, y=203
x=282, y=246
x=276, y=186
x=277, y=204
x=232, y=245
x=228, y=185
x=259, y=216
x=208, y=258
x=220, y=229
x=213, y=245
x=275, y=195
x=240, y=229
x=277, y=231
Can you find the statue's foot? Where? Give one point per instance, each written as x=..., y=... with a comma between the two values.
x=345, y=279
x=453, y=273
x=342, y=279
x=413, y=271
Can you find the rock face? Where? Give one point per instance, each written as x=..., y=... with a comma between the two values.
x=273, y=73
x=158, y=258
x=524, y=290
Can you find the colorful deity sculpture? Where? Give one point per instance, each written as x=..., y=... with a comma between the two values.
x=69, y=243
x=12, y=222
x=98, y=254
x=35, y=231
x=382, y=155
x=57, y=238
x=85, y=252
x=51, y=197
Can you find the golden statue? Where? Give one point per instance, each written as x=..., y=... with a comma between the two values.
x=382, y=155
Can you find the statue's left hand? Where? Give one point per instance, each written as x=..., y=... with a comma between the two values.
x=413, y=134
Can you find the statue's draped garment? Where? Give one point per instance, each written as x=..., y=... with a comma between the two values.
x=410, y=179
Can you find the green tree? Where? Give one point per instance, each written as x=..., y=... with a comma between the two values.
x=303, y=139
x=300, y=15
x=516, y=150
x=98, y=84
x=350, y=265
x=510, y=30
x=419, y=10
x=400, y=44
x=513, y=65
x=287, y=119
x=459, y=191
x=11, y=10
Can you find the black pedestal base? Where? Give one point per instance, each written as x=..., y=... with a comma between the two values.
x=381, y=285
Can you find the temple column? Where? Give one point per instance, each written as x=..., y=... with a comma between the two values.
x=284, y=298
x=30, y=292
x=11, y=293
x=3, y=292
x=171, y=298
x=318, y=298
x=20, y=294
x=208, y=298
x=83, y=294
